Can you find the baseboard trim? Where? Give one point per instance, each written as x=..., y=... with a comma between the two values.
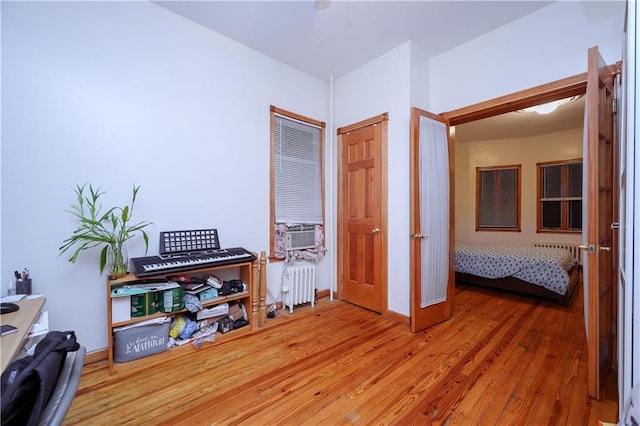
x=401, y=318
x=322, y=293
x=103, y=354
x=319, y=294
x=95, y=356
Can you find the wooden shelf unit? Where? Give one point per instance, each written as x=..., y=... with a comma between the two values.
x=253, y=274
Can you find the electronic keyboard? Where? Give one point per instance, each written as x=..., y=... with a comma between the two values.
x=154, y=265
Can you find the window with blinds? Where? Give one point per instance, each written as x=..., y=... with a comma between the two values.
x=560, y=196
x=297, y=191
x=498, y=198
x=298, y=177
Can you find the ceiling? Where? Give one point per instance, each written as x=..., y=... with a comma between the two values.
x=518, y=125
x=327, y=38
x=334, y=37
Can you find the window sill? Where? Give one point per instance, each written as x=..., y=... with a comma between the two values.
x=559, y=231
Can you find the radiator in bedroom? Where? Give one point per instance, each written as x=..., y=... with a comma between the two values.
x=573, y=248
x=301, y=288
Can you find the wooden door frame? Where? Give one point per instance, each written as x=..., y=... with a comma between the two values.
x=559, y=89
x=383, y=120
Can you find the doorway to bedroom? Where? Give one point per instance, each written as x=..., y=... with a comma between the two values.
x=600, y=184
x=520, y=173
x=488, y=152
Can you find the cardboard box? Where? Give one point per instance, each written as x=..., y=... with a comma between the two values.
x=204, y=293
x=208, y=294
x=213, y=311
x=234, y=312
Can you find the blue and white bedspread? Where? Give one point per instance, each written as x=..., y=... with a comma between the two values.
x=543, y=266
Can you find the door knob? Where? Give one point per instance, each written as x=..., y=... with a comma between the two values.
x=375, y=230
x=591, y=248
x=418, y=236
x=604, y=248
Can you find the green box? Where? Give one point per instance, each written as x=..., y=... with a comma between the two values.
x=143, y=305
x=171, y=300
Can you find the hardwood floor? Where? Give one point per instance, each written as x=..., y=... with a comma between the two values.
x=501, y=359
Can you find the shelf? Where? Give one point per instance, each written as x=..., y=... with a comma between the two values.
x=253, y=274
x=177, y=351
x=222, y=299
x=210, y=302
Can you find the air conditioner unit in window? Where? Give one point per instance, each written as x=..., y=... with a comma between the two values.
x=300, y=237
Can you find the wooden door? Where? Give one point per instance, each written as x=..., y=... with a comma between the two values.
x=425, y=316
x=362, y=253
x=602, y=254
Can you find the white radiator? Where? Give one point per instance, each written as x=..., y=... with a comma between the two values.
x=573, y=248
x=301, y=288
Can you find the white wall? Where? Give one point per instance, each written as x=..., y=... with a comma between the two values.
x=115, y=93
x=501, y=62
x=419, y=86
x=119, y=92
x=544, y=46
x=377, y=87
x=527, y=152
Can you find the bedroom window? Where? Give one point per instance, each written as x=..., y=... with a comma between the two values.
x=297, y=178
x=560, y=196
x=498, y=198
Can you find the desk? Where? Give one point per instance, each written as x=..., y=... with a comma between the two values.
x=23, y=319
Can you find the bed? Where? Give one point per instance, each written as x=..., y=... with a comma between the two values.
x=552, y=273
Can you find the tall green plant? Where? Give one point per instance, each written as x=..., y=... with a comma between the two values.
x=110, y=229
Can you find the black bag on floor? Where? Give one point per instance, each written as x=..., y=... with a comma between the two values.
x=27, y=383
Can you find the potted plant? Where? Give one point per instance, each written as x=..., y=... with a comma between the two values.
x=110, y=229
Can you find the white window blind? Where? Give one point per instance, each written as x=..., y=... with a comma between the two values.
x=298, y=178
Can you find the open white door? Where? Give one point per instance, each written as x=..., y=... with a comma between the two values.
x=432, y=220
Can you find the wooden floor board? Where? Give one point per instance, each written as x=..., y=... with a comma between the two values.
x=500, y=359
x=479, y=401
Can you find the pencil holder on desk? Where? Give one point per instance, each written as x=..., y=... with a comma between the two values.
x=23, y=286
